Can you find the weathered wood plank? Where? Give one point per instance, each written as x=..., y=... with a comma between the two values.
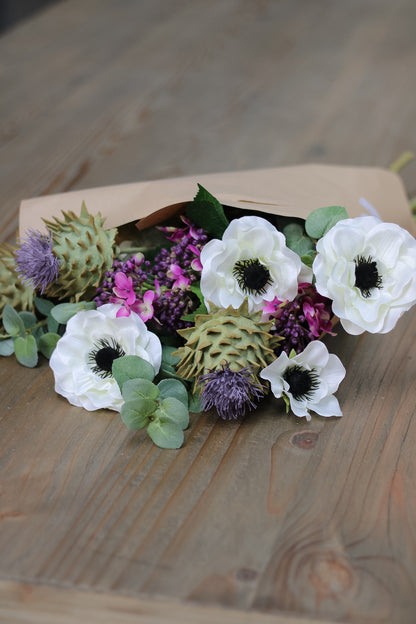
x=270, y=514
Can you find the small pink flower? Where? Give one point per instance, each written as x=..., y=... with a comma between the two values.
x=271, y=307
x=145, y=308
x=196, y=262
x=175, y=272
x=124, y=288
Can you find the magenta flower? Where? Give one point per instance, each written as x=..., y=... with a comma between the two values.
x=271, y=307
x=196, y=263
x=123, y=288
x=176, y=273
x=145, y=308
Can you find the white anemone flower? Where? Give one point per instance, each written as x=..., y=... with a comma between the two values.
x=368, y=269
x=308, y=380
x=82, y=359
x=251, y=261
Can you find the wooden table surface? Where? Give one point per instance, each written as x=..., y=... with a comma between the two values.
x=271, y=519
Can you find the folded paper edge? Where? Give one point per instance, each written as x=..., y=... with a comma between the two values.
x=289, y=191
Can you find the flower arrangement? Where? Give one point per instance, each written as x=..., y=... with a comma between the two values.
x=212, y=310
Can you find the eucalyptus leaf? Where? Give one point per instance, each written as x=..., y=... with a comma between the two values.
x=195, y=403
x=131, y=367
x=53, y=325
x=297, y=241
x=13, y=323
x=139, y=388
x=207, y=212
x=44, y=306
x=29, y=319
x=64, y=311
x=321, y=220
x=7, y=346
x=47, y=343
x=165, y=435
x=26, y=351
x=132, y=417
x=173, y=411
x=173, y=388
x=168, y=358
x=308, y=260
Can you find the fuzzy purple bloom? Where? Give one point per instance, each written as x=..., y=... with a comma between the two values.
x=35, y=262
x=231, y=393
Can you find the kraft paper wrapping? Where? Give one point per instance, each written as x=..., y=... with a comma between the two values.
x=288, y=191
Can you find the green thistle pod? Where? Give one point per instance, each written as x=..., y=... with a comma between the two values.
x=12, y=290
x=228, y=337
x=85, y=252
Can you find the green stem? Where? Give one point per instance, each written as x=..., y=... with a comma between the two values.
x=400, y=162
x=28, y=330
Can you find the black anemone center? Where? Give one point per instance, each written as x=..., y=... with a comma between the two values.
x=366, y=275
x=101, y=358
x=301, y=382
x=252, y=276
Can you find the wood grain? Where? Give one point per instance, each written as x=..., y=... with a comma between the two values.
x=270, y=517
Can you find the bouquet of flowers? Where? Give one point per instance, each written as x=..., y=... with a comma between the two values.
x=213, y=309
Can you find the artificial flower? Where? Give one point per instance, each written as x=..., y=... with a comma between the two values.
x=36, y=263
x=308, y=380
x=251, y=261
x=230, y=392
x=300, y=321
x=368, y=269
x=83, y=357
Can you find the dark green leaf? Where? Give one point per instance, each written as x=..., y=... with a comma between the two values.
x=64, y=311
x=47, y=343
x=131, y=367
x=165, y=435
x=132, y=417
x=207, y=212
x=173, y=388
x=7, y=346
x=321, y=220
x=139, y=388
x=53, y=325
x=12, y=322
x=29, y=319
x=195, y=403
x=26, y=351
x=43, y=306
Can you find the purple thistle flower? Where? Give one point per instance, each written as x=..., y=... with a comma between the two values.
x=231, y=393
x=35, y=262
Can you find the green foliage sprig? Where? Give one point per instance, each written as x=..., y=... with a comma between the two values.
x=162, y=408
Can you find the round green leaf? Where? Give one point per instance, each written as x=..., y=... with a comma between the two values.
x=321, y=220
x=134, y=389
x=28, y=319
x=173, y=388
x=132, y=417
x=7, y=346
x=173, y=411
x=165, y=435
x=132, y=367
x=43, y=305
x=64, y=311
x=13, y=323
x=26, y=351
x=47, y=343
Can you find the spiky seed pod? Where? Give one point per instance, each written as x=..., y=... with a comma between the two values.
x=12, y=290
x=226, y=337
x=85, y=252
